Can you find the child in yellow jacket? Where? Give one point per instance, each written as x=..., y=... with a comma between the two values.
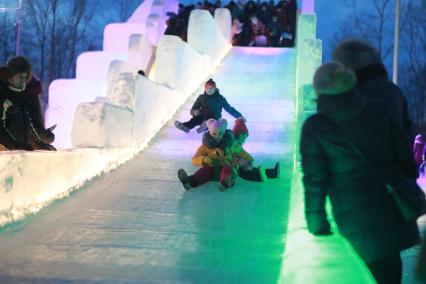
x=214, y=161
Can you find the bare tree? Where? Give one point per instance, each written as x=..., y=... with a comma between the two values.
x=374, y=22
x=413, y=39
x=369, y=21
x=7, y=38
x=53, y=33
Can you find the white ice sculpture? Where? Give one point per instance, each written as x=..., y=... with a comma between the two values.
x=179, y=66
x=99, y=124
x=223, y=19
x=117, y=36
x=154, y=28
x=141, y=13
x=172, y=6
x=64, y=97
x=158, y=8
x=154, y=104
x=141, y=51
x=122, y=90
x=94, y=65
x=205, y=36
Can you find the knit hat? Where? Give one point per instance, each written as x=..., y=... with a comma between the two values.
x=210, y=82
x=356, y=54
x=239, y=128
x=19, y=64
x=332, y=78
x=213, y=124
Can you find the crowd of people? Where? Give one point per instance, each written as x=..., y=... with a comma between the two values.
x=253, y=23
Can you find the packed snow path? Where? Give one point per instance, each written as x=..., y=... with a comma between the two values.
x=138, y=225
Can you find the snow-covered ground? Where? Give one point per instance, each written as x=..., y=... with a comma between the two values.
x=138, y=225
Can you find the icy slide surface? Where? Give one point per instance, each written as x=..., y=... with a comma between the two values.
x=138, y=225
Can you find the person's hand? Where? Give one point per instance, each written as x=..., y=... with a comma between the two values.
x=197, y=112
x=216, y=161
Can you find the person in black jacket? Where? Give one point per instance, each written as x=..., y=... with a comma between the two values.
x=18, y=108
x=364, y=211
x=372, y=78
x=207, y=105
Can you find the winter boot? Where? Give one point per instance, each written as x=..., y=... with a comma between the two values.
x=184, y=179
x=179, y=125
x=228, y=182
x=275, y=172
x=202, y=128
x=262, y=174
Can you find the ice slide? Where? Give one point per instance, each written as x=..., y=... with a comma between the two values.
x=138, y=224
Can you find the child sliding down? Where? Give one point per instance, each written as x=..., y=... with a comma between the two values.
x=211, y=157
x=208, y=105
x=244, y=160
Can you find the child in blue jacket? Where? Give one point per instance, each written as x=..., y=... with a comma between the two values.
x=208, y=105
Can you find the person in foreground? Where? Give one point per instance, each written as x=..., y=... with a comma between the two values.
x=364, y=211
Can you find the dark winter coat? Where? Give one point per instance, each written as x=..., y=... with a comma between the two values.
x=6, y=138
x=32, y=96
x=363, y=210
x=16, y=115
x=211, y=106
x=373, y=83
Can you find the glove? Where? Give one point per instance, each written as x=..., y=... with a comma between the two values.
x=197, y=112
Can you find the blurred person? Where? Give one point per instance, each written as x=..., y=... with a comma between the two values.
x=365, y=213
x=372, y=78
